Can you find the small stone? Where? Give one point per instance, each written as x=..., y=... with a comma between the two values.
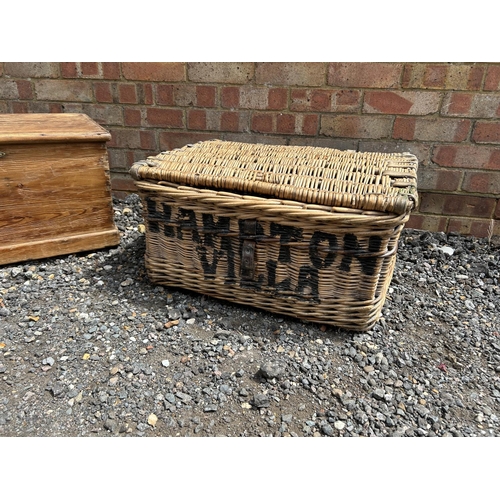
x=261, y=400
x=210, y=408
x=246, y=406
x=470, y=305
x=165, y=363
x=447, y=250
x=111, y=425
x=57, y=389
x=152, y=419
x=115, y=369
x=378, y=394
x=48, y=361
x=271, y=370
x=368, y=368
x=339, y=425
x=327, y=429
x=338, y=393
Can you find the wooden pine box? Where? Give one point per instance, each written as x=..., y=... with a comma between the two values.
x=302, y=231
x=55, y=194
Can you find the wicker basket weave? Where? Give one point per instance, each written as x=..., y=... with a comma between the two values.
x=302, y=231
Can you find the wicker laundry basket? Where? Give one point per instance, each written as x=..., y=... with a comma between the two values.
x=302, y=231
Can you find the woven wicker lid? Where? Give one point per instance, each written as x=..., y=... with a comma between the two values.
x=385, y=182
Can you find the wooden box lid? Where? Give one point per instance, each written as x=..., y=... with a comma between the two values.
x=50, y=127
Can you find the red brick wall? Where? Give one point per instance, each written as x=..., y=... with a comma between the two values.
x=447, y=114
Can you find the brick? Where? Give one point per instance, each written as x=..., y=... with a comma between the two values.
x=477, y=157
x=220, y=72
x=103, y=92
x=341, y=101
x=125, y=138
x=197, y=119
x=475, y=106
x=420, y=150
x=289, y=74
x=482, y=182
x=111, y=70
x=277, y=98
x=229, y=121
x=362, y=127
x=160, y=117
x=8, y=89
x=153, y=71
x=17, y=107
x=262, y=123
x=309, y=124
x=122, y=184
x=471, y=226
x=118, y=160
x=430, y=179
x=127, y=93
x=31, y=69
x=492, y=80
x=457, y=104
x=50, y=107
x=213, y=119
x=230, y=97
x=321, y=100
x=402, y=103
x=104, y=114
x=253, y=98
x=285, y=124
x=172, y=140
x=427, y=222
x=184, y=95
x=64, y=90
x=300, y=100
x=165, y=95
x=458, y=205
x=363, y=74
x=487, y=132
x=132, y=117
x=90, y=69
x=69, y=69
x=431, y=129
x=53, y=107
x=148, y=139
x=451, y=76
x=346, y=100
x=435, y=76
x=205, y=96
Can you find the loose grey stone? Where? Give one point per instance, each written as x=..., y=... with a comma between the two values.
x=378, y=394
x=271, y=370
x=261, y=400
x=327, y=429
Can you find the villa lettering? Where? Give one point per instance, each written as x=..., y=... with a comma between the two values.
x=229, y=249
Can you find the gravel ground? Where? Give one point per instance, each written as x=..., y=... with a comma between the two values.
x=89, y=347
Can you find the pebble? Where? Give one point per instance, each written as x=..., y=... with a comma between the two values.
x=271, y=370
x=205, y=367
